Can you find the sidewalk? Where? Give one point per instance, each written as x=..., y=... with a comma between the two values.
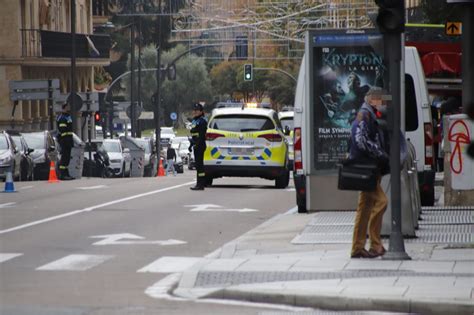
x=265, y=266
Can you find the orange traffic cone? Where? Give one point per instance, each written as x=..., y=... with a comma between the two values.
x=161, y=170
x=52, y=173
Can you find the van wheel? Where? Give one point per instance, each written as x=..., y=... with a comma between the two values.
x=283, y=181
x=427, y=198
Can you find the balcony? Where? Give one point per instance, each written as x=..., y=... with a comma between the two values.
x=48, y=44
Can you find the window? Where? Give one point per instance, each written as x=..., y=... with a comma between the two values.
x=3, y=143
x=287, y=122
x=242, y=123
x=112, y=147
x=34, y=140
x=411, y=110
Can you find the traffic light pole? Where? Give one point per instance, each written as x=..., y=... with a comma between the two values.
x=393, y=47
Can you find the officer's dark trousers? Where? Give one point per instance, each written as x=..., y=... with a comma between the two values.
x=66, y=147
x=199, y=163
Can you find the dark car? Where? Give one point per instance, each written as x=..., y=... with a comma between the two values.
x=45, y=151
x=27, y=165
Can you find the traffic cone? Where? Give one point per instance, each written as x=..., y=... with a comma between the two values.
x=9, y=187
x=161, y=170
x=52, y=173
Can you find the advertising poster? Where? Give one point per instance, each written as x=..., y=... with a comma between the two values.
x=344, y=70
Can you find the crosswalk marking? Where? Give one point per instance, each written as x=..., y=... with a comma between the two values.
x=76, y=262
x=170, y=264
x=8, y=256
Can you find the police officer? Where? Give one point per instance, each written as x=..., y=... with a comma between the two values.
x=64, y=123
x=198, y=143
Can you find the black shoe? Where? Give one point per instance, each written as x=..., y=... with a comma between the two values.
x=197, y=188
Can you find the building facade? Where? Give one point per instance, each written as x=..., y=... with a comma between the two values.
x=35, y=44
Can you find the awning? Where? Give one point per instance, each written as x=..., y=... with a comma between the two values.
x=439, y=62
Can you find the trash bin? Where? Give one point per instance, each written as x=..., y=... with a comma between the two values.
x=77, y=158
x=137, y=153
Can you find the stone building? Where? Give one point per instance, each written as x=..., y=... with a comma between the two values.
x=35, y=43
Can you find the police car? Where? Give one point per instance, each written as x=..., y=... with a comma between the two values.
x=246, y=141
x=286, y=117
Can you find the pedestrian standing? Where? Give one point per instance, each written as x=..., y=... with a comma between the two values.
x=64, y=124
x=198, y=144
x=170, y=159
x=367, y=143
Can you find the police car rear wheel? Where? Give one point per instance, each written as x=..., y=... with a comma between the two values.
x=283, y=181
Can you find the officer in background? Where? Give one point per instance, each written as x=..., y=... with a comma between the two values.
x=64, y=123
x=198, y=144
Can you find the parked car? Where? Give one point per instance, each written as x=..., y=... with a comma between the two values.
x=183, y=150
x=45, y=151
x=166, y=135
x=150, y=156
x=10, y=156
x=27, y=165
x=120, y=158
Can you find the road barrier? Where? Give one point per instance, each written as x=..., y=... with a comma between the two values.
x=9, y=186
x=52, y=173
x=161, y=170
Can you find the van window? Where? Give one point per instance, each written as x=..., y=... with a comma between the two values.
x=411, y=111
x=241, y=123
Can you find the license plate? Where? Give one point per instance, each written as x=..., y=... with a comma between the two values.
x=240, y=151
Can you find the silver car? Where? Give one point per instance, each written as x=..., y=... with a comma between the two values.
x=10, y=157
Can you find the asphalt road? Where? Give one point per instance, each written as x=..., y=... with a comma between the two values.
x=93, y=246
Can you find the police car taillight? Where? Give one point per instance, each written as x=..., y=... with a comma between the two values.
x=298, y=160
x=212, y=136
x=429, y=161
x=272, y=137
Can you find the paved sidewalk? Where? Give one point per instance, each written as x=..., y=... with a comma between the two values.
x=264, y=266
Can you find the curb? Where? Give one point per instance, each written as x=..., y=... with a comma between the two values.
x=346, y=303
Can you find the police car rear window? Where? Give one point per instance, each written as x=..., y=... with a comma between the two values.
x=242, y=123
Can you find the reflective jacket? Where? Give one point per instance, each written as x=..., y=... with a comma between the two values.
x=198, y=132
x=64, y=122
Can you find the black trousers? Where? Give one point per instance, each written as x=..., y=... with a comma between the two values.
x=66, y=147
x=199, y=163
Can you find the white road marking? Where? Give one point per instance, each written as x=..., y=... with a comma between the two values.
x=7, y=205
x=117, y=239
x=92, y=187
x=8, y=256
x=76, y=262
x=170, y=264
x=25, y=187
x=216, y=208
x=102, y=205
x=290, y=189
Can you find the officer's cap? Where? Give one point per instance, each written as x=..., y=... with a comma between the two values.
x=197, y=106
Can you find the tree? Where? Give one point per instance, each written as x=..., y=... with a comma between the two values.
x=192, y=82
x=438, y=11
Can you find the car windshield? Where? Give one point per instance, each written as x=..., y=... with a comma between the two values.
x=167, y=132
x=242, y=123
x=112, y=147
x=287, y=122
x=18, y=142
x=3, y=143
x=34, y=140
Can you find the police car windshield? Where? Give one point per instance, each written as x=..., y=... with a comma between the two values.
x=242, y=123
x=111, y=147
x=34, y=140
x=3, y=143
x=287, y=122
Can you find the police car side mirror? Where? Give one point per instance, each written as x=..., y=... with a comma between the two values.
x=30, y=151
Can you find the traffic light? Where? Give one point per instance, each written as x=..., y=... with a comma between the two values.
x=391, y=16
x=248, y=73
x=97, y=117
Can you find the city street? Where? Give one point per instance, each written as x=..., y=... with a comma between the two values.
x=88, y=246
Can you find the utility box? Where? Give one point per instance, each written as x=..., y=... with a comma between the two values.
x=77, y=158
x=138, y=156
x=461, y=166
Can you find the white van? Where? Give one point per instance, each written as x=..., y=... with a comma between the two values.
x=316, y=192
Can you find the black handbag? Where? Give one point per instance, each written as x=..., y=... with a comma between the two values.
x=358, y=175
